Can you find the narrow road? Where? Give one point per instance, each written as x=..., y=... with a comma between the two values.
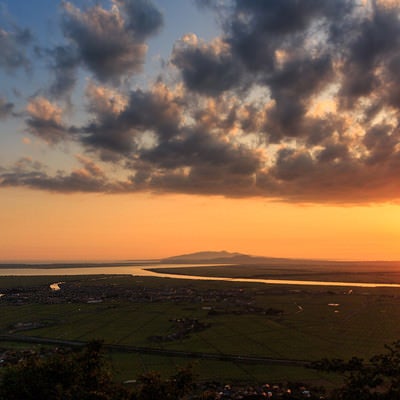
x=149, y=350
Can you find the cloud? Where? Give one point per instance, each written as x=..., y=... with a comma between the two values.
x=381, y=142
x=349, y=181
x=196, y=149
x=144, y=20
x=156, y=110
x=45, y=120
x=27, y=173
x=165, y=150
x=295, y=101
x=13, y=49
x=64, y=61
x=206, y=68
x=371, y=55
x=110, y=43
x=104, y=101
x=6, y=108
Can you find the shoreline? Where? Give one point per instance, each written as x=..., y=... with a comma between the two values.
x=150, y=271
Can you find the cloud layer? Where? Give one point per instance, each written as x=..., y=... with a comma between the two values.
x=296, y=101
x=13, y=49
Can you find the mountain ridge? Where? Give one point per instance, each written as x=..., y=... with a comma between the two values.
x=219, y=257
x=226, y=257
x=205, y=255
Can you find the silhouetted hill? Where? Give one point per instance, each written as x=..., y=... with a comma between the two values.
x=219, y=257
x=225, y=257
x=202, y=256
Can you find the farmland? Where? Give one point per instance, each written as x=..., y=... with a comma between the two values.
x=279, y=322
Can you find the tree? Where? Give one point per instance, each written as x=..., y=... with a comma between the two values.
x=83, y=375
x=377, y=379
x=152, y=387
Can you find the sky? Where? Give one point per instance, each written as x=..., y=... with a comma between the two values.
x=134, y=129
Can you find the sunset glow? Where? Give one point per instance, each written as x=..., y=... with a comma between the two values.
x=98, y=227
x=130, y=131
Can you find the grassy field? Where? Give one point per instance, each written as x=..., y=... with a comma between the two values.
x=127, y=366
x=309, y=327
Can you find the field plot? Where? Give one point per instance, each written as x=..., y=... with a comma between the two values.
x=127, y=366
x=279, y=322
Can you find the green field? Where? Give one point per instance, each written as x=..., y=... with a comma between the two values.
x=308, y=328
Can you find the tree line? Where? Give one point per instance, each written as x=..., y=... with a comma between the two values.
x=86, y=375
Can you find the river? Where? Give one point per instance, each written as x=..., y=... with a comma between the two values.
x=144, y=270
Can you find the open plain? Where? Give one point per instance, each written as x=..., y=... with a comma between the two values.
x=228, y=330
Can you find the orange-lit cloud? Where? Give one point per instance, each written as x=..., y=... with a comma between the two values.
x=290, y=103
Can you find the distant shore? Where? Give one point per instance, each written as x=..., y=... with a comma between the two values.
x=56, y=265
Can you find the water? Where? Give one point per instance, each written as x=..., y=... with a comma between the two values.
x=56, y=286
x=143, y=270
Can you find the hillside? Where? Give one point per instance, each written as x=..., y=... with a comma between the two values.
x=218, y=257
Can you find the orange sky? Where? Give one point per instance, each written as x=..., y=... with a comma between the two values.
x=39, y=225
x=219, y=113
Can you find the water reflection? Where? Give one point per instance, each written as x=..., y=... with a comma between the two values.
x=56, y=286
x=144, y=270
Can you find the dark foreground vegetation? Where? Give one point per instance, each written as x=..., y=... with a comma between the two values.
x=379, y=378
x=85, y=374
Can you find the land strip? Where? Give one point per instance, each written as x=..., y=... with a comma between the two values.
x=164, y=352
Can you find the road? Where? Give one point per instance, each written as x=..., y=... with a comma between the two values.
x=164, y=352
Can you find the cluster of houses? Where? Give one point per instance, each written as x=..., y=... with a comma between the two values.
x=183, y=327
x=215, y=391
x=216, y=301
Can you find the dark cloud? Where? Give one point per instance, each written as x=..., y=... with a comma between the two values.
x=157, y=110
x=200, y=149
x=256, y=29
x=295, y=101
x=350, y=181
x=48, y=130
x=110, y=43
x=27, y=173
x=64, y=61
x=333, y=152
x=6, y=108
x=259, y=33
x=143, y=18
x=381, y=142
x=205, y=3
x=204, y=180
x=23, y=36
x=291, y=165
x=45, y=120
x=154, y=111
x=181, y=157
x=301, y=77
x=278, y=47
x=207, y=69
x=13, y=49
x=370, y=55
x=111, y=136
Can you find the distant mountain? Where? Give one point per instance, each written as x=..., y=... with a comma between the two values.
x=217, y=257
x=225, y=257
x=204, y=256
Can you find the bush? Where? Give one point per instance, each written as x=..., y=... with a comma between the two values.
x=80, y=375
